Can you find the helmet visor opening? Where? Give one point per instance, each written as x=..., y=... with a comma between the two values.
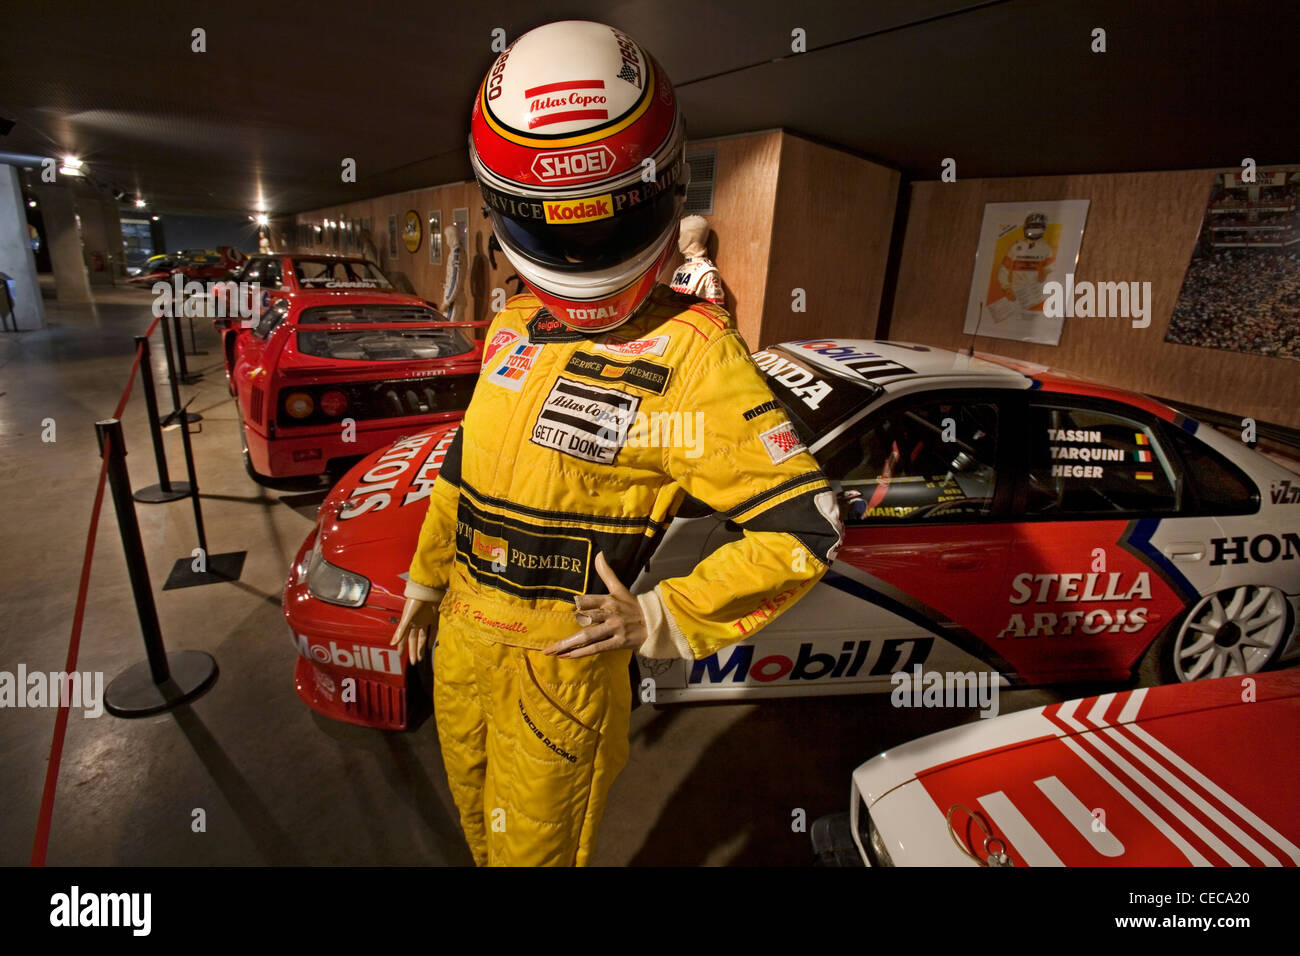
x=588, y=246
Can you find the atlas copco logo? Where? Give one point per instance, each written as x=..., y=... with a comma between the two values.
x=573, y=164
x=579, y=210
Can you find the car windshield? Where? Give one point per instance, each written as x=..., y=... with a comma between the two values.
x=339, y=274
x=816, y=401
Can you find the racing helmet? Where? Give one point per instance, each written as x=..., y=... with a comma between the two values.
x=1035, y=225
x=577, y=144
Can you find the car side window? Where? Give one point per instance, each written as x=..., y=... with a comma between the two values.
x=271, y=318
x=271, y=278
x=1086, y=462
x=929, y=461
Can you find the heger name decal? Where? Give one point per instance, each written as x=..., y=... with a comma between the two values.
x=1078, y=588
x=382, y=660
x=568, y=165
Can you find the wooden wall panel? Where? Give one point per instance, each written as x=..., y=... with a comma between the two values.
x=1141, y=227
x=480, y=278
x=830, y=237
x=744, y=196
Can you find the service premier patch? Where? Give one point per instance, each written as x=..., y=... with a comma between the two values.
x=634, y=348
x=585, y=421
x=544, y=327
x=500, y=340
x=782, y=443
x=761, y=409
x=511, y=370
x=642, y=373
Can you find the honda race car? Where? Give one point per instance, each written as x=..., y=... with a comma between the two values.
x=1000, y=518
x=328, y=371
x=1164, y=777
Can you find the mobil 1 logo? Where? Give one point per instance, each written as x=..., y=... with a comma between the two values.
x=585, y=421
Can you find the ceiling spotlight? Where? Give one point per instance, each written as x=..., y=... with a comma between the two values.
x=72, y=166
x=31, y=204
x=139, y=204
x=262, y=219
x=154, y=218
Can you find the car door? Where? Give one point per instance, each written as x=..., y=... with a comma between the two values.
x=926, y=543
x=1104, y=553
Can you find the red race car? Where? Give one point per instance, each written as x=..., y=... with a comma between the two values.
x=337, y=365
x=1199, y=774
x=1001, y=519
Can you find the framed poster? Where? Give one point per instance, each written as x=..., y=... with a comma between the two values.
x=435, y=238
x=1022, y=247
x=412, y=231
x=392, y=237
x=1241, y=291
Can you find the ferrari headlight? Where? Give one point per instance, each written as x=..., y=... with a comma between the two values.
x=333, y=585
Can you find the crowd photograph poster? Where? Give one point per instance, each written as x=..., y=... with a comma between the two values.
x=1241, y=292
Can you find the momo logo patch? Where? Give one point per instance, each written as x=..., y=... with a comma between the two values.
x=566, y=211
x=584, y=421
x=642, y=373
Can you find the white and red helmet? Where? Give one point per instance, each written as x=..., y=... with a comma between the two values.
x=560, y=135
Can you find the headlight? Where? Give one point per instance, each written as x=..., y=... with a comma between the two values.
x=333, y=585
x=878, y=850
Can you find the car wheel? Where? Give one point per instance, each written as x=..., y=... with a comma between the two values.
x=1232, y=632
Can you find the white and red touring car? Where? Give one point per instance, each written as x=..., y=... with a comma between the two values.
x=1000, y=518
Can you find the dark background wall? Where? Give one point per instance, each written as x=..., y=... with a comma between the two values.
x=206, y=232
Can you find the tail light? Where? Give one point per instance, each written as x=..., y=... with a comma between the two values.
x=333, y=403
x=299, y=405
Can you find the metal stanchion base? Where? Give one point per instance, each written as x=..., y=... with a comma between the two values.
x=133, y=693
x=190, y=378
x=222, y=568
x=154, y=494
x=173, y=418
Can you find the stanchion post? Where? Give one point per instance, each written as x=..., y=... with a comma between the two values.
x=186, y=377
x=164, y=490
x=171, y=369
x=110, y=437
x=194, y=481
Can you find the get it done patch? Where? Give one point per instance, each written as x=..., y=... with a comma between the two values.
x=585, y=421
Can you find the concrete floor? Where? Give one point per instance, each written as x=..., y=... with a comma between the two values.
x=279, y=785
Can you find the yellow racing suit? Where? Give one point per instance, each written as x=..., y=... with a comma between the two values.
x=577, y=444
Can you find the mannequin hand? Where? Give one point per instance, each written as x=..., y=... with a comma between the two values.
x=419, y=621
x=612, y=621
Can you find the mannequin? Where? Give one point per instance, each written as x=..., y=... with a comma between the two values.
x=451, y=285
x=697, y=276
